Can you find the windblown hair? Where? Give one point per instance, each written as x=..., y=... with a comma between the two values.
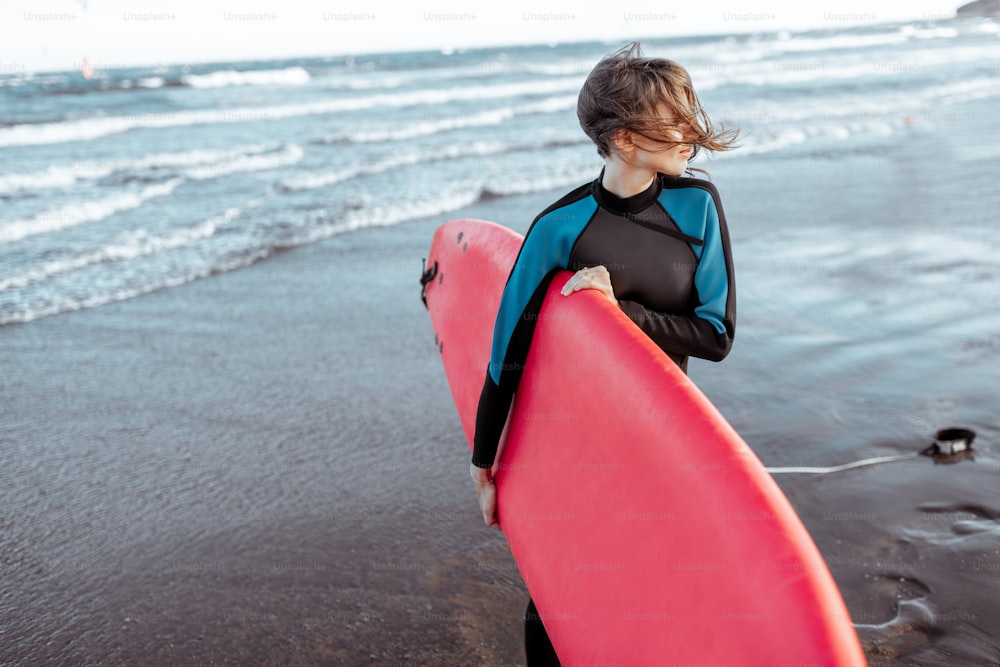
x=623, y=92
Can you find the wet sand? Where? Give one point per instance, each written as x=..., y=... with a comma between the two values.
x=259, y=468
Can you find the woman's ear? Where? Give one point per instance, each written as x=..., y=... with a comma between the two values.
x=621, y=140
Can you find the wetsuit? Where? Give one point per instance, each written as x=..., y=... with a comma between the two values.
x=667, y=250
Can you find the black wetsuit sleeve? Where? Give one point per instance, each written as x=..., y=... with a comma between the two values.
x=680, y=335
x=707, y=329
x=546, y=249
x=496, y=398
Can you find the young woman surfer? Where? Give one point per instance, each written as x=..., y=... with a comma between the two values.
x=650, y=238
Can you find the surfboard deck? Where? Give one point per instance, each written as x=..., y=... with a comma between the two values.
x=646, y=530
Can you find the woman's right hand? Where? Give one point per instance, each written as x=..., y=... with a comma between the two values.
x=486, y=493
x=592, y=277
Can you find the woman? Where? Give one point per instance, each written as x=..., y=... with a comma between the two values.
x=651, y=240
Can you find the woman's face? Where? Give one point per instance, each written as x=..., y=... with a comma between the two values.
x=669, y=155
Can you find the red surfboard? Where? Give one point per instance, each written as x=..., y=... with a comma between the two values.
x=646, y=530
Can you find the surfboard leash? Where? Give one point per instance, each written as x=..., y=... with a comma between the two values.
x=948, y=443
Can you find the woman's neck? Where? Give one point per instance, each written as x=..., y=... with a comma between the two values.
x=624, y=180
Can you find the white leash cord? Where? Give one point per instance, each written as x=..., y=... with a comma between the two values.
x=846, y=466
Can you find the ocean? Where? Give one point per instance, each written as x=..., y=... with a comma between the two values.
x=127, y=181
x=287, y=204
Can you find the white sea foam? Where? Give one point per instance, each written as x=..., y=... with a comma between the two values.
x=386, y=215
x=752, y=145
x=479, y=119
x=779, y=73
x=311, y=181
x=66, y=175
x=799, y=44
x=152, y=284
x=758, y=49
x=290, y=76
x=132, y=246
x=94, y=128
x=773, y=140
x=581, y=67
x=194, y=157
x=917, y=32
x=440, y=203
x=428, y=127
x=369, y=82
x=965, y=91
x=55, y=176
x=819, y=68
x=332, y=177
x=482, y=118
x=437, y=96
x=561, y=174
x=287, y=156
x=548, y=105
x=459, y=195
x=557, y=174
x=373, y=79
x=378, y=216
x=78, y=213
x=878, y=107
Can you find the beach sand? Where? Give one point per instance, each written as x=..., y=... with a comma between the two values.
x=265, y=467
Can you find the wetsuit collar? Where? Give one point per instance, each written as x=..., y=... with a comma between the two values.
x=634, y=204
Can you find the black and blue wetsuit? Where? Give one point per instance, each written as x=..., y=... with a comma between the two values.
x=667, y=250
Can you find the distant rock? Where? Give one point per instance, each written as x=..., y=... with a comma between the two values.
x=979, y=8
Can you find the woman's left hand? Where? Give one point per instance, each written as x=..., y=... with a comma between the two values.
x=592, y=277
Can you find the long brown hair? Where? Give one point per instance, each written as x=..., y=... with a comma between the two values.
x=624, y=92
